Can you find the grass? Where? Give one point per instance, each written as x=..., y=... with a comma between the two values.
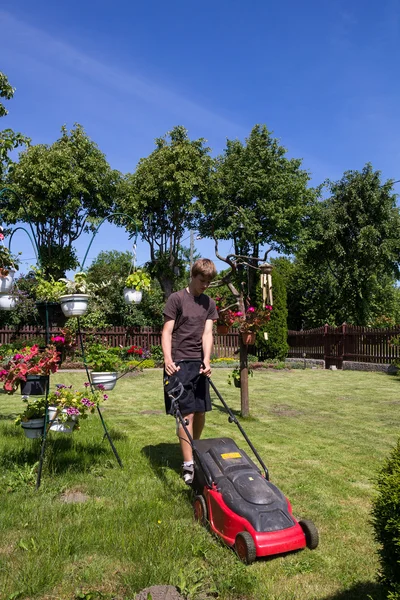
x=323, y=435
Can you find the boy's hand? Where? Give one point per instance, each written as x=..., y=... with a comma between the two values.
x=171, y=368
x=205, y=369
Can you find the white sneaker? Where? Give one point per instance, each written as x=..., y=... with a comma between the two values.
x=188, y=473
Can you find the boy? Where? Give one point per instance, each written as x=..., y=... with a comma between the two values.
x=187, y=341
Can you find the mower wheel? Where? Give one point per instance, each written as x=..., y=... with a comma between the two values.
x=200, y=510
x=311, y=533
x=245, y=547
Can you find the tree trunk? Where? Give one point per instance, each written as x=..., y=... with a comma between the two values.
x=166, y=286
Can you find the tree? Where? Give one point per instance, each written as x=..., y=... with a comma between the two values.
x=353, y=251
x=9, y=139
x=161, y=194
x=114, y=267
x=257, y=196
x=65, y=188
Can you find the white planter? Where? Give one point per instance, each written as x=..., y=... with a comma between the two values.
x=61, y=426
x=74, y=305
x=6, y=283
x=7, y=302
x=107, y=379
x=33, y=428
x=132, y=296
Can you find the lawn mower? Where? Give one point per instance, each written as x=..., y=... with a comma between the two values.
x=235, y=498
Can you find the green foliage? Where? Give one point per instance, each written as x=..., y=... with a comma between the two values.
x=234, y=376
x=147, y=363
x=157, y=354
x=66, y=187
x=160, y=195
x=386, y=521
x=35, y=409
x=101, y=358
x=78, y=285
x=9, y=139
x=139, y=279
x=276, y=346
x=47, y=289
x=350, y=262
x=258, y=192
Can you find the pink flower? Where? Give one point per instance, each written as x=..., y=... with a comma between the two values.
x=238, y=314
x=1, y=236
x=251, y=309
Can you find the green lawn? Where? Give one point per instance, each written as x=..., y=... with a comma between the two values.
x=323, y=435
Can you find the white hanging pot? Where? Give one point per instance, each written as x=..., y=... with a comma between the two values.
x=132, y=296
x=74, y=305
x=33, y=428
x=61, y=426
x=7, y=282
x=7, y=302
x=108, y=379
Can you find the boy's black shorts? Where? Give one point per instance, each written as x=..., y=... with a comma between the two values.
x=196, y=395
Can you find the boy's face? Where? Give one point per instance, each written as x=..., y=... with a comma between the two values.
x=200, y=284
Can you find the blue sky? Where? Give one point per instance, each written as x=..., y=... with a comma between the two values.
x=323, y=76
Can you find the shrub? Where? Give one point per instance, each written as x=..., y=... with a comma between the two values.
x=386, y=521
x=148, y=363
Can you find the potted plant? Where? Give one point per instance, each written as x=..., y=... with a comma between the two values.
x=30, y=368
x=48, y=292
x=75, y=302
x=67, y=406
x=135, y=284
x=104, y=363
x=250, y=321
x=32, y=419
x=235, y=377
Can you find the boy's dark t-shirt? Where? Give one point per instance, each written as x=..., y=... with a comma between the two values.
x=190, y=314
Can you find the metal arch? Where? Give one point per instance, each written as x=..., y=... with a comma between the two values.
x=35, y=248
x=119, y=214
x=33, y=239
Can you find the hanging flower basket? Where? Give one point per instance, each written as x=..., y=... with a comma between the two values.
x=74, y=305
x=106, y=379
x=248, y=338
x=7, y=302
x=33, y=428
x=35, y=385
x=132, y=296
x=222, y=329
x=59, y=425
x=7, y=282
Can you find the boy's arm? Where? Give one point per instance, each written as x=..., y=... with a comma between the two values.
x=208, y=341
x=166, y=344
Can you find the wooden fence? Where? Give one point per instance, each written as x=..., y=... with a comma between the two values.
x=332, y=344
x=145, y=337
x=345, y=343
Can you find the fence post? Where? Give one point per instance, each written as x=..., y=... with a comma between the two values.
x=326, y=346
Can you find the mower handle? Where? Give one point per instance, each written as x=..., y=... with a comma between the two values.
x=233, y=419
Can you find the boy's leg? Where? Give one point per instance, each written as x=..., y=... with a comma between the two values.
x=198, y=424
x=186, y=448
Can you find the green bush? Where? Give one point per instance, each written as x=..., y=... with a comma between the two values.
x=386, y=521
x=276, y=346
x=148, y=363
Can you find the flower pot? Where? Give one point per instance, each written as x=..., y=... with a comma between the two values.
x=7, y=302
x=222, y=329
x=107, y=379
x=74, y=305
x=35, y=385
x=248, y=338
x=33, y=428
x=7, y=282
x=55, y=316
x=61, y=426
x=236, y=383
x=132, y=296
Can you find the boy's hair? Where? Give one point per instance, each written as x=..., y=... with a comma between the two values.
x=205, y=267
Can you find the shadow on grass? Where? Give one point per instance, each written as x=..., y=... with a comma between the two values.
x=361, y=591
x=216, y=404
x=163, y=456
x=10, y=417
x=61, y=455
